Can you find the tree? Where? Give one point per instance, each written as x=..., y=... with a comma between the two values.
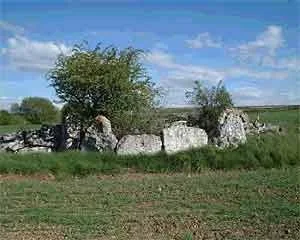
x=38, y=110
x=15, y=108
x=210, y=102
x=5, y=117
x=105, y=81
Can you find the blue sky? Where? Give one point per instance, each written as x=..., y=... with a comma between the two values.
x=252, y=46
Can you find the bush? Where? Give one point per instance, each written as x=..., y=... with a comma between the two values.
x=106, y=81
x=210, y=102
x=5, y=117
x=38, y=110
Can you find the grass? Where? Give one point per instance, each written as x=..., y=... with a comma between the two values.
x=258, y=152
x=261, y=204
x=248, y=193
x=15, y=128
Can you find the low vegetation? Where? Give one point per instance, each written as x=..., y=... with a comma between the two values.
x=261, y=204
x=265, y=151
x=4, y=129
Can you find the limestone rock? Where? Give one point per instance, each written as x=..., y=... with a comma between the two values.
x=179, y=137
x=232, y=128
x=139, y=144
x=35, y=149
x=99, y=136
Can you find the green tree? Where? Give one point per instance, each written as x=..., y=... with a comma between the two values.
x=210, y=103
x=5, y=117
x=38, y=110
x=105, y=81
x=15, y=108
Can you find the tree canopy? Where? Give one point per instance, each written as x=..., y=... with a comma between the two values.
x=38, y=110
x=105, y=81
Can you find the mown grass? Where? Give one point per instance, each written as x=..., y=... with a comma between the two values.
x=261, y=204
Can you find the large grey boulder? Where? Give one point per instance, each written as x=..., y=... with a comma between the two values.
x=99, y=136
x=139, y=144
x=232, y=128
x=180, y=137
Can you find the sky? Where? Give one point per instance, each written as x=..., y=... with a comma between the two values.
x=252, y=46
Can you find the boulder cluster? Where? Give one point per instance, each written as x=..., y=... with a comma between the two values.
x=233, y=128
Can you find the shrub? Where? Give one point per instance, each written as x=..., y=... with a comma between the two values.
x=38, y=110
x=5, y=117
x=210, y=103
x=105, y=81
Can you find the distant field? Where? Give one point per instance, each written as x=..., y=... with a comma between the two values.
x=262, y=204
x=286, y=117
x=14, y=128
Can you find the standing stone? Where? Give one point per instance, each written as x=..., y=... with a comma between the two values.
x=180, y=137
x=99, y=136
x=232, y=128
x=139, y=144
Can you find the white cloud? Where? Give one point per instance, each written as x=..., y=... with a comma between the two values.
x=290, y=63
x=196, y=72
x=263, y=48
x=6, y=102
x=30, y=55
x=178, y=78
x=182, y=71
x=5, y=26
x=265, y=75
x=249, y=95
x=203, y=40
x=247, y=92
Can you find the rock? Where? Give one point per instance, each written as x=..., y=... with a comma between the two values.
x=139, y=144
x=179, y=137
x=99, y=136
x=104, y=124
x=72, y=137
x=232, y=128
x=33, y=139
x=13, y=146
x=35, y=149
x=8, y=137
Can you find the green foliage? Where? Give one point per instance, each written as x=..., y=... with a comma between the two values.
x=105, y=81
x=22, y=125
x=257, y=153
x=38, y=110
x=210, y=102
x=5, y=117
x=15, y=108
x=188, y=236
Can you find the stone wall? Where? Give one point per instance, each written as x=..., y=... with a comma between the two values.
x=234, y=125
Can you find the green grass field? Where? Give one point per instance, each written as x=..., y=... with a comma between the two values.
x=248, y=193
x=15, y=128
x=262, y=204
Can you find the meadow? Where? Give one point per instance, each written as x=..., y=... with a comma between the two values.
x=248, y=193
